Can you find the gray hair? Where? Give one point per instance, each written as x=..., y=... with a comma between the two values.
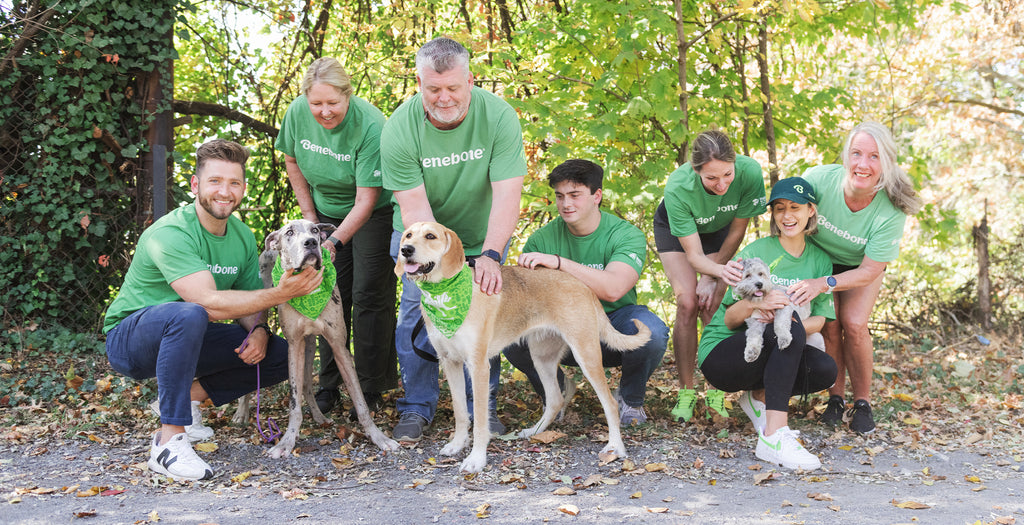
x=711, y=145
x=893, y=180
x=442, y=54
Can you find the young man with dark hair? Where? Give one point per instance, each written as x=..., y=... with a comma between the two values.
x=606, y=253
x=193, y=267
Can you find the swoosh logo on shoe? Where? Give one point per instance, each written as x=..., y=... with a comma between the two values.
x=776, y=447
x=750, y=401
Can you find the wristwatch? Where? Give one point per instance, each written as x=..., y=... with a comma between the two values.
x=831, y=282
x=491, y=254
x=336, y=242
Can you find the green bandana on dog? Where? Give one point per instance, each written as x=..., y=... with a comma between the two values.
x=312, y=304
x=446, y=303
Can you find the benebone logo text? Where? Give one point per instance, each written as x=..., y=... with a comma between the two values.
x=316, y=148
x=226, y=270
x=453, y=159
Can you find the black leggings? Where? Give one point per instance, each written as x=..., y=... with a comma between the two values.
x=781, y=373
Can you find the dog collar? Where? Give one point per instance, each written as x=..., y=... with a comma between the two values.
x=446, y=303
x=311, y=304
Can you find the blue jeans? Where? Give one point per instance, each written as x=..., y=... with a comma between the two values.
x=176, y=343
x=637, y=365
x=419, y=376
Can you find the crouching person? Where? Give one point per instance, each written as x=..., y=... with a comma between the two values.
x=192, y=267
x=607, y=254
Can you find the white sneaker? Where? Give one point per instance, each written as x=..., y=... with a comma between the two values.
x=177, y=460
x=197, y=431
x=754, y=410
x=783, y=448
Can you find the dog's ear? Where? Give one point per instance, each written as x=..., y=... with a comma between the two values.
x=326, y=229
x=454, y=255
x=272, y=241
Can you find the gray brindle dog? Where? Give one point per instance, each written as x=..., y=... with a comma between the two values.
x=298, y=246
x=754, y=287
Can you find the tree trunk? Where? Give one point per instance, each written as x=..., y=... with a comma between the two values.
x=980, y=234
x=769, y=125
x=157, y=91
x=681, y=48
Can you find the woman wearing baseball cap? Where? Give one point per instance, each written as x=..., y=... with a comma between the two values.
x=777, y=373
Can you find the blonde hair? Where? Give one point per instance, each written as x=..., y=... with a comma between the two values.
x=328, y=71
x=893, y=180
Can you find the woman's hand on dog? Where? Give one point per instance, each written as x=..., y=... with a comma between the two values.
x=732, y=272
x=804, y=292
x=773, y=301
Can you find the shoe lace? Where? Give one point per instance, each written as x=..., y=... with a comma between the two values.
x=716, y=400
x=688, y=398
x=790, y=439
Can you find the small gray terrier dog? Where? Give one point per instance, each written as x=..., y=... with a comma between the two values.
x=755, y=285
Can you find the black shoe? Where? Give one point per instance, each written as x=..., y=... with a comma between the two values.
x=860, y=417
x=495, y=425
x=326, y=399
x=833, y=414
x=410, y=427
x=374, y=401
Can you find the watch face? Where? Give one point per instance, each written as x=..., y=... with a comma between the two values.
x=831, y=281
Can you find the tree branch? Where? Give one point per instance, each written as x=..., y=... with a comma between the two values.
x=33, y=24
x=993, y=107
x=192, y=107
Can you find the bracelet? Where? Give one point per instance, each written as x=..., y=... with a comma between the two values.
x=559, y=267
x=264, y=326
x=336, y=242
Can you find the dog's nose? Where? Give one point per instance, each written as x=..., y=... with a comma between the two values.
x=408, y=250
x=759, y=285
x=310, y=243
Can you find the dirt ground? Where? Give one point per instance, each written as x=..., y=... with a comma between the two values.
x=696, y=473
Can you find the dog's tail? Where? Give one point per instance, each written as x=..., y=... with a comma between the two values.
x=617, y=340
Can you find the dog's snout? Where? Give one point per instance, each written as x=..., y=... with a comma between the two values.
x=759, y=285
x=408, y=250
x=310, y=243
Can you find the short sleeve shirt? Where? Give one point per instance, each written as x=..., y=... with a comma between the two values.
x=456, y=166
x=691, y=209
x=335, y=161
x=786, y=270
x=176, y=246
x=847, y=236
x=614, y=240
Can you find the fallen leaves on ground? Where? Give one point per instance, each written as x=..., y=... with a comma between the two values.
x=569, y=509
x=910, y=505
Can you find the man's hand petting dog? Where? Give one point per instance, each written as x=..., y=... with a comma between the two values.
x=487, y=273
x=302, y=283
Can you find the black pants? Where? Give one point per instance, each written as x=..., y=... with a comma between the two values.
x=796, y=370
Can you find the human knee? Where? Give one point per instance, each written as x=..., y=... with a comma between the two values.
x=686, y=306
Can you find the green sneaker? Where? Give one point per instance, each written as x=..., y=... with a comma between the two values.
x=685, y=404
x=715, y=400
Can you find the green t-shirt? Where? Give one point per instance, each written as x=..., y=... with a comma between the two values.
x=614, y=240
x=691, y=209
x=335, y=161
x=848, y=236
x=813, y=263
x=455, y=166
x=176, y=246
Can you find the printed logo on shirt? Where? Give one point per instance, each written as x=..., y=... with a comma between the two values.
x=316, y=148
x=761, y=201
x=704, y=220
x=728, y=208
x=222, y=270
x=598, y=266
x=376, y=173
x=453, y=159
x=824, y=223
x=635, y=257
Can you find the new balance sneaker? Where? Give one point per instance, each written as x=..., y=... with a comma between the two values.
x=860, y=417
x=197, y=431
x=783, y=448
x=833, y=414
x=685, y=404
x=715, y=400
x=754, y=410
x=629, y=415
x=177, y=460
x=410, y=427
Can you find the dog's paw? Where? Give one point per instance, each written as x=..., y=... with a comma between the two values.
x=387, y=444
x=785, y=338
x=453, y=447
x=615, y=448
x=474, y=463
x=527, y=432
x=279, y=451
x=751, y=353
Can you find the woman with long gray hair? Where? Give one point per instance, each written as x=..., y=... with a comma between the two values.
x=863, y=207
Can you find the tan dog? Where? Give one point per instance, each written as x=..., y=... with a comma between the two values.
x=298, y=246
x=551, y=310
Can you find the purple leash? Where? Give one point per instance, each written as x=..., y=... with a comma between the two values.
x=271, y=425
